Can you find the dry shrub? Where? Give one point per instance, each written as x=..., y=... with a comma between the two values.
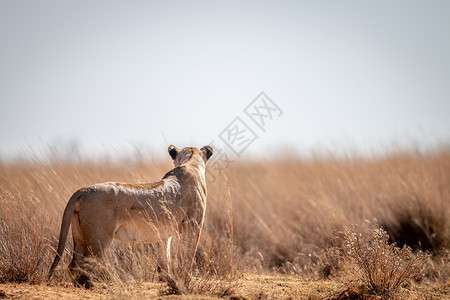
x=23, y=239
x=382, y=267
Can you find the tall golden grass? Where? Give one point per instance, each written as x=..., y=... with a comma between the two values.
x=263, y=215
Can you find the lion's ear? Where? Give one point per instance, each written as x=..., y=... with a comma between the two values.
x=173, y=151
x=207, y=151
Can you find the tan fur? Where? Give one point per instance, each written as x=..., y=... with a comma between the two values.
x=143, y=185
x=141, y=213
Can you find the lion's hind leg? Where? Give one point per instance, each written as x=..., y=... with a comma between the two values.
x=77, y=266
x=89, y=245
x=83, y=262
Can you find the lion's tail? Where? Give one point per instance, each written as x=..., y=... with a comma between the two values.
x=65, y=225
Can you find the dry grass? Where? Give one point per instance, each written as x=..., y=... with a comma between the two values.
x=282, y=216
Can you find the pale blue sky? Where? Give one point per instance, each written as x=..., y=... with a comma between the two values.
x=111, y=75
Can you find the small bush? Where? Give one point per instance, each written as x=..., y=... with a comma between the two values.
x=21, y=254
x=381, y=266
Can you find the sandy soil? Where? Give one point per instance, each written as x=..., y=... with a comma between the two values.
x=247, y=287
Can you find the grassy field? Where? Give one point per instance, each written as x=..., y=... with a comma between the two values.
x=274, y=228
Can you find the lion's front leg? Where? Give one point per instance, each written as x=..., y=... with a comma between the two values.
x=163, y=258
x=165, y=273
x=190, y=240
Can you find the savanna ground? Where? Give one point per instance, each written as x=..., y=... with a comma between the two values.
x=274, y=229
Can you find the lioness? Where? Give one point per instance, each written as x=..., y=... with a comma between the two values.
x=141, y=213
